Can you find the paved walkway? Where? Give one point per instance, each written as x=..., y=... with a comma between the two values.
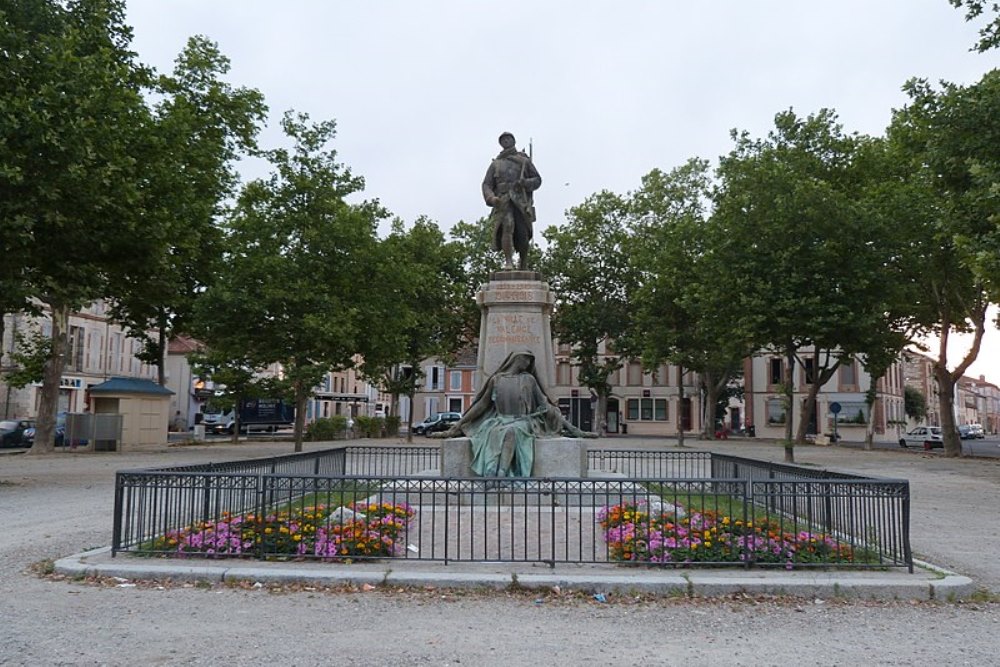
x=952, y=527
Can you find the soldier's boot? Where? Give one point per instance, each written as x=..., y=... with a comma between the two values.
x=507, y=243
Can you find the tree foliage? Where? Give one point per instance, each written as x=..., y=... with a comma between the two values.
x=418, y=307
x=200, y=126
x=945, y=143
x=914, y=403
x=989, y=33
x=73, y=114
x=587, y=265
x=807, y=256
x=301, y=259
x=683, y=302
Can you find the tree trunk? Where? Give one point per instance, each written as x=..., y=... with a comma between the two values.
x=711, y=404
x=819, y=379
x=790, y=402
x=870, y=427
x=680, y=406
x=161, y=372
x=946, y=405
x=601, y=418
x=301, y=398
x=871, y=396
x=237, y=422
x=409, y=417
x=48, y=406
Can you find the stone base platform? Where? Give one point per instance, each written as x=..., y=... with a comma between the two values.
x=554, y=457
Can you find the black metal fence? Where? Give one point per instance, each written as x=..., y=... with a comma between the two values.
x=363, y=503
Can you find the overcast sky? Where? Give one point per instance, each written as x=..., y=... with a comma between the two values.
x=606, y=91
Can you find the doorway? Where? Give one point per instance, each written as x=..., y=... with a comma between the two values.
x=612, y=415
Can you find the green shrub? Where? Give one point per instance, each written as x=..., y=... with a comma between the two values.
x=392, y=426
x=369, y=427
x=327, y=428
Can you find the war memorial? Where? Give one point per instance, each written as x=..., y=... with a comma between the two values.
x=513, y=481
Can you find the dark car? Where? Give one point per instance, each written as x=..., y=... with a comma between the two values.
x=12, y=432
x=437, y=422
x=60, y=437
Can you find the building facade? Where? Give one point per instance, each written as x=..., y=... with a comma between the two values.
x=641, y=403
x=840, y=401
x=98, y=350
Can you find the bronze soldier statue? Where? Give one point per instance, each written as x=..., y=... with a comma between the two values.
x=508, y=187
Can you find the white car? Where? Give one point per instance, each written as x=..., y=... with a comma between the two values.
x=927, y=437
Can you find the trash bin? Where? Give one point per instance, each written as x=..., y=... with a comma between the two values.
x=624, y=428
x=752, y=431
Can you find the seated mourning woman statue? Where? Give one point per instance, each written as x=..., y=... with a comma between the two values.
x=507, y=415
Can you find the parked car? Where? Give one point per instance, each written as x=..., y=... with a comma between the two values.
x=965, y=432
x=928, y=437
x=977, y=430
x=440, y=421
x=12, y=432
x=60, y=439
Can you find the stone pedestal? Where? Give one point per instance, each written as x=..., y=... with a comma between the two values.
x=554, y=457
x=516, y=308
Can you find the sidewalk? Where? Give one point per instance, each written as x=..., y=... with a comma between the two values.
x=926, y=583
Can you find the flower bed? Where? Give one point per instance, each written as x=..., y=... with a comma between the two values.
x=364, y=530
x=635, y=533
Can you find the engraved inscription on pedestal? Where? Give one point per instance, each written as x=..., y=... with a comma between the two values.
x=515, y=317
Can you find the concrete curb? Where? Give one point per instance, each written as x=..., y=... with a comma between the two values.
x=928, y=582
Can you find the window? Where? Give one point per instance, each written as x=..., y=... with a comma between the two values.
x=76, y=338
x=853, y=412
x=634, y=374
x=564, y=373
x=776, y=413
x=455, y=381
x=776, y=371
x=809, y=370
x=647, y=409
x=454, y=405
x=848, y=376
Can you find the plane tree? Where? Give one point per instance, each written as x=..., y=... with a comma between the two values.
x=417, y=308
x=294, y=284
x=805, y=256
x=683, y=302
x=982, y=10
x=587, y=263
x=947, y=157
x=200, y=126
x=73, y=113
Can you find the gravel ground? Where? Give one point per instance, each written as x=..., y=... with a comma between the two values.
x=61, y=504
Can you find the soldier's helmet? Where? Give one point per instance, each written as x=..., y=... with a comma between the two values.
x=506, y=134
